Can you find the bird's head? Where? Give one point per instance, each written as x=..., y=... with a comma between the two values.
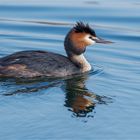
x=81, y=36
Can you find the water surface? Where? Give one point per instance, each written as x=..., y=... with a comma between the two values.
x=103, y=104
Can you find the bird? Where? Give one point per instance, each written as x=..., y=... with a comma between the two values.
x=39, y=63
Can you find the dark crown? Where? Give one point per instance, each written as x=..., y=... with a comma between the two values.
x=80, y=27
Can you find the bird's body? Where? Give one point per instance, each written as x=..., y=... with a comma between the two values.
x=36, y=63
x=29, y=64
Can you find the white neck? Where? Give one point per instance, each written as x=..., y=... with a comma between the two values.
x=82, y=62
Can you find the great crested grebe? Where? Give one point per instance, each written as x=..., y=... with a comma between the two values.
x=29, y=64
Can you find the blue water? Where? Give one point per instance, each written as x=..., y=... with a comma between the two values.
x=101, y=105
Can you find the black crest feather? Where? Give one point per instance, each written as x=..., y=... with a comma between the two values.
x=80, y=27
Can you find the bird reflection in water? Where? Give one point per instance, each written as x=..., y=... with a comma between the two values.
x=78, y=100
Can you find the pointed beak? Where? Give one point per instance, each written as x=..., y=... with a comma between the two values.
x=100, y=40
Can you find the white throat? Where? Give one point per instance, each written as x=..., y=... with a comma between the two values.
x=81, y=60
